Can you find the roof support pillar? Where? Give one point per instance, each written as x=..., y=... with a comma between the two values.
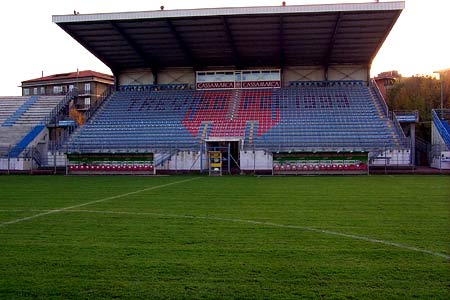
x=116, y=74
x=155, y=75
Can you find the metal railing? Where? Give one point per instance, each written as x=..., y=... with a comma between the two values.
x=95, y=105
x=410, y=116
x=380, y=97
x=398, y=128
x=54, y=114
x=437, y=120
x=31, y=154
x=60, y=145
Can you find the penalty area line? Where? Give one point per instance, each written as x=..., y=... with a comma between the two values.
x=54, y=211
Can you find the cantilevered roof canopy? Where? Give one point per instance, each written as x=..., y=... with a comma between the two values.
x=236, y=37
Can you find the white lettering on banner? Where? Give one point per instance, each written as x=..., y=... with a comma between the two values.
x=215, y=85
x=261, y=84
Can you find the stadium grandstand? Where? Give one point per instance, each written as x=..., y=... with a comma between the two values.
x=23, y=129
x=282, y=89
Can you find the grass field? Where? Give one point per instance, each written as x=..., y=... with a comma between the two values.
x=186, y=237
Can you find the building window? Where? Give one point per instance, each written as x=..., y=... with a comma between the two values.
x=87, y=88
x=87, y=102
x=42, y=90
x=35, y=91
x=57, y=90
x=70, y=87
x=26, y=92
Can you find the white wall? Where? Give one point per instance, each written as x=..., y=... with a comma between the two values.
x=313, y=73
x=60, y=159
x=436, y=138
x=136, y=77
x=442, y=162
x=190, y=161
x=40, y=142
x=258, y=160
x=183, y=161
x=348, y=72
x=317, y=73
x=176, y=75
x=165, y=76
x=15, y=164
x=393, y=158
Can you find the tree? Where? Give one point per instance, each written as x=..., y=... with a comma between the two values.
x=420, y=93
x=76, y=116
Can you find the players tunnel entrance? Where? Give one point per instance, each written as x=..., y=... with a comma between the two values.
x=230, y=154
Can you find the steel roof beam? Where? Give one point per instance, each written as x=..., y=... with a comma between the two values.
x=236, y=56
x=148, y=59
x=329, y=53
x=182, y=44
x=281, y=41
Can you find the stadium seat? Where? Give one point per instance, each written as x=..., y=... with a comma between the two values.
x=338, y=115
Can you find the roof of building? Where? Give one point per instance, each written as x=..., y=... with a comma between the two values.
x=71, y=76
x=240, y=37
x=444, y=71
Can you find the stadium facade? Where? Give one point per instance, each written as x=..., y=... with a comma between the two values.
x=282, y=89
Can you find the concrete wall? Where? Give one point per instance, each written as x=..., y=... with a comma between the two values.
x=59, y=159
x=317, y=73
x=165, y=76
x=392, y=158
x=313, y=73
x=16, y=164
x=191, y=161
x=436, y=138
x=135, y=77
x=176, y=75
x=348, y=72
x=262, y=161
x=183, y=161
x=442, y=162
x=441, y=157
x=258, y=160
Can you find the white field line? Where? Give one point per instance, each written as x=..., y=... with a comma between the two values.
x=54, y=211
x=305, y=228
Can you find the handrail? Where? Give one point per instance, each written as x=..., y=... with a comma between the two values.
x=56, y=110
x=93, y=107
x=415, y=113
x=398, y=128
x=164, y=156
x=380, y=97
x=441, y=129
x=36, y=156
x=87, y=114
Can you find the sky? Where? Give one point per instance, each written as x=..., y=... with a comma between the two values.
x=31, y=44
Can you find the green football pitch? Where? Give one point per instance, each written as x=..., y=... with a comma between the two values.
x=194, y=237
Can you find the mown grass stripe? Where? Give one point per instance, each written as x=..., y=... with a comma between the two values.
x=305, y=228
x=93, y=202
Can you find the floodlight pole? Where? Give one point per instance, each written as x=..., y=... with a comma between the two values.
x=441, y=79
